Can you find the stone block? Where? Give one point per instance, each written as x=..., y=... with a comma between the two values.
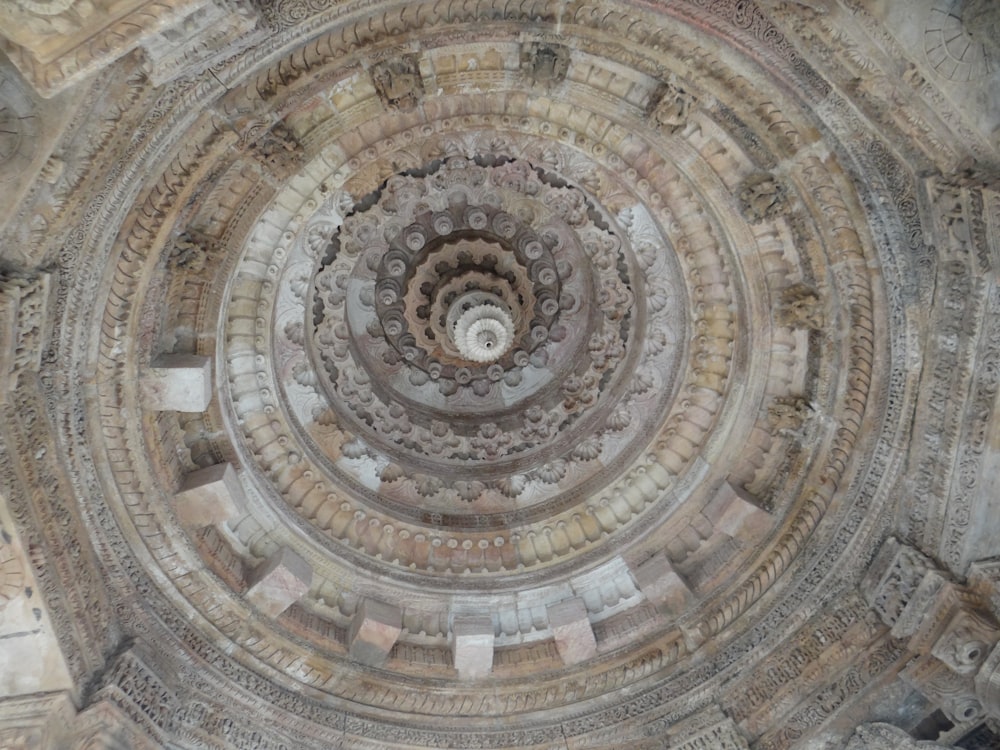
x=209, y=497
x=178, y=382
x=374, y=631
x=571, y=629
x=472, y=646
x=732, y=512
x=662, y=585
x=279, y=582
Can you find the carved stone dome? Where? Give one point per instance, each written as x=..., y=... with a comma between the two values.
x=532, y=375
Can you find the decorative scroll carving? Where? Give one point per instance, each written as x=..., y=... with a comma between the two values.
x=55, y=44
x=23, y=310
x=132, y=685
x=948, y=627
x=207, y=35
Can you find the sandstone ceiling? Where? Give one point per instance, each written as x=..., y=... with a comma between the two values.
x=499, y=374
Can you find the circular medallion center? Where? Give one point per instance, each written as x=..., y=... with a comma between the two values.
x=480, y=326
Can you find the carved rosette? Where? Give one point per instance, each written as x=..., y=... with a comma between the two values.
x=395, y=381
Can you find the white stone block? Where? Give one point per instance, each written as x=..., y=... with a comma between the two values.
x=209, y=497
x=374, y=631
x=472, y=646
x=571, y=629
x=279, y=582
x=178, y=382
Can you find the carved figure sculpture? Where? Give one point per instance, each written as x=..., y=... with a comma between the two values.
x=761, y=198
x=398, y=82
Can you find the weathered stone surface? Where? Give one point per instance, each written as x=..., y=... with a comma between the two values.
x=374, y=630
x=472, y=639
x=662, y=585
x=572, y=631
x=178, y=382
x=586, y=352
x=209, y=496
x=279, y=582
x=733, y=513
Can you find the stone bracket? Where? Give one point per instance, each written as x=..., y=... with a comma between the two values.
x=279, y=582
x=177, y=382
x=662, y=585
x=472, y=645
x=209, y=496
x=571, y=629
x=374, y=631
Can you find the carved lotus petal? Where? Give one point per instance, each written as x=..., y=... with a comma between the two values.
x=469, y=491
x=428, y=486
x=392, y=473
x=641, y=382
x=619, y=419
x=511, y=486
x=552, y=472
x=588, y=450
x=294, y=332
x=354, y=448
x=305, y=375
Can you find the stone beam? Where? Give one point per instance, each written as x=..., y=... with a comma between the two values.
x=279, y=582
x=209, y=496
x=178, y=382
x=472, y=646
x=374, y=631
x=662, y=585
x=571, y=629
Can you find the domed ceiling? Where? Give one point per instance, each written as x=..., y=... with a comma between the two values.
x=549, y=375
